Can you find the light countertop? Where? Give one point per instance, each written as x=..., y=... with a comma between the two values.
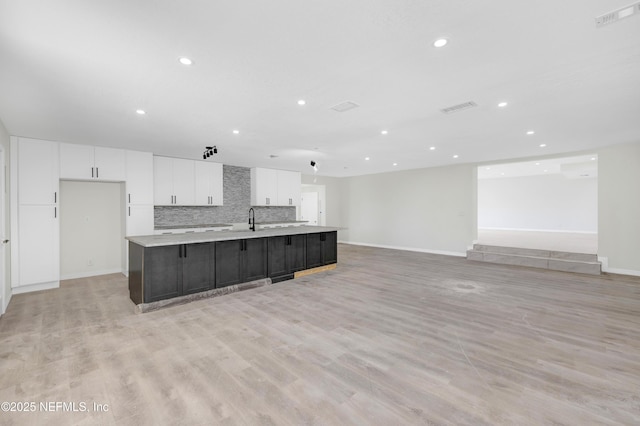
x=211, y=236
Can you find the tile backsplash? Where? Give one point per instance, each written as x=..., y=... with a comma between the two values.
x=237, y=201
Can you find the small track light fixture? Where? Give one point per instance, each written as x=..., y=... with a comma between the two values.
x=209, y=151
x=313, y=164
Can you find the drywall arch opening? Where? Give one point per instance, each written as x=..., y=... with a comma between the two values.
x=547, y=204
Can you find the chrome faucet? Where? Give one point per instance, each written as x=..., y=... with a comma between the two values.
x=252, y=219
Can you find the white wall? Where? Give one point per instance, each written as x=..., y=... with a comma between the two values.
x=542, y=203
x=619, y=207
x=432, y=210
x=90, y=228
x=5, y=142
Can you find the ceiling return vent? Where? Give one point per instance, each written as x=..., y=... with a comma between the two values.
x=459, y=107
x=618, y=14
x=345, y=106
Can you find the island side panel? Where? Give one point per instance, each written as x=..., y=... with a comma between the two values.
x=136, y=266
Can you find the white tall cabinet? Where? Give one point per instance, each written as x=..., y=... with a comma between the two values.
x=35, y=258
x=139, y=193
x=138, y=198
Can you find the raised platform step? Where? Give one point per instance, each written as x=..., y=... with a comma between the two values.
x=583, y=263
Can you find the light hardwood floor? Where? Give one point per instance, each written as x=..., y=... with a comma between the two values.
x=388, y=338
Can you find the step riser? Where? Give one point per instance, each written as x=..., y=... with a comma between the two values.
x=585, y=257
x=592, y=268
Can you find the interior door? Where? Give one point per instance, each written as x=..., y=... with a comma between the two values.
x=309, y=207
x=3, y=237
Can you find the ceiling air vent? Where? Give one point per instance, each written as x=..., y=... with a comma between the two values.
x=459, y=107
x=618, y=14
x=345, y=106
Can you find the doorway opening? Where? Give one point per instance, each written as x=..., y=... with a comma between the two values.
x=548, y=204
x=91, y=228
x=313, y=205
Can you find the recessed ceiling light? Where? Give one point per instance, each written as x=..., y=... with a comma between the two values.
x=441, y=42
x=488, y=168
x=542, y=145
x=432, y=148
x=185, y=61
x=384, y=132
x=366, y=158
x=235, y=132
x=302, y=102
x=502, y=104
x=395, y=164
x=140, y=112
x=530, y=132
x=537, y=164
x=593, y=158
x=455, y=156
x=545, y=170
x=502, y=174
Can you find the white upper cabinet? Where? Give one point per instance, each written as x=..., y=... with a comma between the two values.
x=84, y=162
x=274, y=187
x=289, y=188
x=37, y=171
x=139, y=176
x=208, y=183
x=110, y=164
x=264, y=187
x=173, y=181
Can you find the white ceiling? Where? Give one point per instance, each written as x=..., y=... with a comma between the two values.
x=76, y=71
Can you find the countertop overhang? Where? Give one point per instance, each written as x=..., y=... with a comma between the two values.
x=212, y=236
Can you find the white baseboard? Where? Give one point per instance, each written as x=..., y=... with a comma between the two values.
x=35, y=287
x=606, y=268
x=565, y=231
x=90, y=274
x=420, y=250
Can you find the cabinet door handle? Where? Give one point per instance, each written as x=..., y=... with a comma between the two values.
x=175, y=199
x=92, y=172
x=129, y=197
x=129, y=211
x=55, y=212
x=55, y=197
x=97, y=172
x=185, y=250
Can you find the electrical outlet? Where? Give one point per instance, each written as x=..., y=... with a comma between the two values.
x=89, y=262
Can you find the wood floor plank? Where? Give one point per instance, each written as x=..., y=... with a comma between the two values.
x=388, y=337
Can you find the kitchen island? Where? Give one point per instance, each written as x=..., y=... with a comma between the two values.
x=170, y=266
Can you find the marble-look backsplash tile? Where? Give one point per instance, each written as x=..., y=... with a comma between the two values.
x=237, y=201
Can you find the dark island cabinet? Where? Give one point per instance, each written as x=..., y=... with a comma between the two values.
x=239, y=261
x=162, y=273
x=198, y=267
x=322, y=249
x=158, y=273
x=287, y=255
